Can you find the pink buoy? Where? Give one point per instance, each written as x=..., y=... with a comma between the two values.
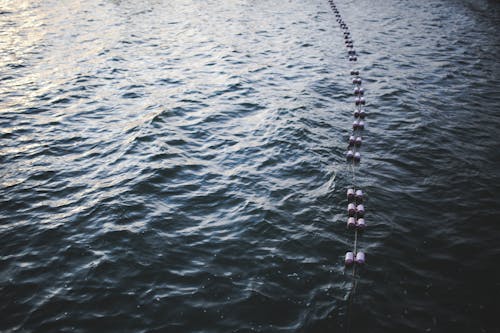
x=360, y=210
x=358, y=195
x=361, y=224
x=349, y=155
x=350, y=194
x=351, y=223
x=357, y=157
x=351, y=209
x=358, y=141
x=360, y=258
x=349, y=258
x=352, y=140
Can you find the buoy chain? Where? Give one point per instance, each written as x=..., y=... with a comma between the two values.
x=355, y=196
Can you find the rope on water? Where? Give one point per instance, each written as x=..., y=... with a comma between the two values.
x=355, y=196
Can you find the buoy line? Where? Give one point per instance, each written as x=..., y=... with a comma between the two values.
x=355, y=196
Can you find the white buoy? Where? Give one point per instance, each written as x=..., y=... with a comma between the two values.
x=355, y=124
x=357, y=157
x=358, y=141
x=351, y=223
x=349, y=155
x=361, y=224
x=351, y=209
x=349, y=258
x=350, y=194
x=360, y=210
x=358, y=195
x=360, y=258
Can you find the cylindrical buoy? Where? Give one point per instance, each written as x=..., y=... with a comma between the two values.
x=352, y=140
x=350, y=194
x=360, y=210
x=349, y=155
x=351, y=209
x=360, y=258
x=358, y=141
x=361, y=124
x=361, y=224
x=362, y=114
x=358, y=195
x=349, y=258
x=357, y=157
x=355, y=124
x=356, y=113
x=351, y=223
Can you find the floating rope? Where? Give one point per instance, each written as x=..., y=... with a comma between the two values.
x=355, y=196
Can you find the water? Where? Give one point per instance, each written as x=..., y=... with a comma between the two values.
x=178, y=166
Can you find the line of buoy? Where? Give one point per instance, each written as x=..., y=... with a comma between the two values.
x=355, y=196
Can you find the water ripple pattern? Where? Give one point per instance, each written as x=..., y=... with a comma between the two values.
x=178, y=166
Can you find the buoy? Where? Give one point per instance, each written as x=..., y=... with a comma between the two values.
x=356, y=113
x=354, y=72
x=361, y=124
x=358, y=141
x=355, y=124
x=360, y=101
x=351, y=223
x=351, y=209
x=352, y=140
x=360, y=224
x=349, y=155
x=360, y=258
x=350, y=194
x=357, y=157
x=358, y=195
x=362, y=114
x=360, y=210
x=349, y=258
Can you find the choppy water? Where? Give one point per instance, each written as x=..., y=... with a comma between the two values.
x=178, y=166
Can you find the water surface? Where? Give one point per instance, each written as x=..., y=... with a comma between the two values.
x=178, y=166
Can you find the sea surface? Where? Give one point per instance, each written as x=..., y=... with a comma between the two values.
x=178, y=166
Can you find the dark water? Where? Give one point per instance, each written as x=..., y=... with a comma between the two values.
x=178, y=166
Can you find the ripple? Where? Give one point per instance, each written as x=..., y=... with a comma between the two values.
x=184, y=171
